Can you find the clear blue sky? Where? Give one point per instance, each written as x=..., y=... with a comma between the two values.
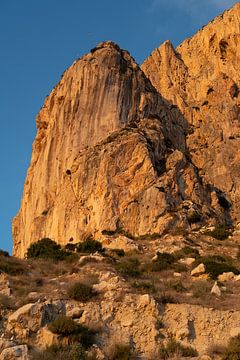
x=41, y=38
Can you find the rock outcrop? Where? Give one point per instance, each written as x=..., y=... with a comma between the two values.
x=201, y=77
x=109, y=158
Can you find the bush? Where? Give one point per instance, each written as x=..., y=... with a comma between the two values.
x=216, y=265
x=174, y=348
x=144, y=286
x=4, y=253
x=60, y=352
x=122, y=352
x=186, y=251
x=90, y=246
x=65, y=326
x=232, y=351
x=129, y=267
x=221, y=232
x=81, y=292
x=194, y=217
x=164, y=261
x=47, y=249
x=119, y=252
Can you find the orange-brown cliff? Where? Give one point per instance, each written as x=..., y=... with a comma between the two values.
x=112, y=156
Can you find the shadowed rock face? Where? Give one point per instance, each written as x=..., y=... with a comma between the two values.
x=202, y=78
x=109, y=156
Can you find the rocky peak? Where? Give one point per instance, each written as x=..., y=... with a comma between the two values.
x=201, y=78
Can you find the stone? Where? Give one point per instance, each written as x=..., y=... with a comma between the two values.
x=19, y=352
x=92, y=257
x=235, y=331
x=216, y=289
x=199, y=270
x=187, y=261
x=176, y=274
x=229, y=276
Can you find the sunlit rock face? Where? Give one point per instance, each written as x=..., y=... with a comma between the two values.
x=201, y=77
x=110, y=154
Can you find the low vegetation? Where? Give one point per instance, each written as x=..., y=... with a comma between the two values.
x=129, y=267
x=220, y=232
x=232, y=351
x=81, y=292
x=164, y=261
x=61, y=352
x=11, y=266
x=216, y=265
x=76, y=333
x=122, y=352
x=174, y=348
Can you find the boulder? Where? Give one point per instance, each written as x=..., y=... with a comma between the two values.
x=216, y=289
x=229, y=276
x=199, y=270
x=30, y=318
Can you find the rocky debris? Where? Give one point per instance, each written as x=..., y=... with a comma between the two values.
x=199, y=270
x=19, y=352
x=199, y=326
x=121, y=321
x=120, y=242
x=28, y=319
x=216, y=289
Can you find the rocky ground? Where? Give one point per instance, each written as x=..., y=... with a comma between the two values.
x=179, y=291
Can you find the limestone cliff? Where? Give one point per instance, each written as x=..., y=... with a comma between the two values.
x=109, y=157
x=201, y=77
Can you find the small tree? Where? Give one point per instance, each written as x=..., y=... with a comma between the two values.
x=46, y=249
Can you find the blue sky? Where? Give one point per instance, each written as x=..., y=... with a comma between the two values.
x=41, y=38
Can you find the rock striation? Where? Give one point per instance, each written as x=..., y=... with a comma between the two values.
x=201, y=78
x=124, y=150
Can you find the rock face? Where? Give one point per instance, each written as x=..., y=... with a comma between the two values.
x=201, y=77
x=109, y=157
x=115, y=154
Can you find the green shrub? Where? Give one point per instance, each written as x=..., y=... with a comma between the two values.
x=90, y=246
x=4, y=253
x=65, y=326
x=186, y=251
x=216, y=265
x=60, y=352
x=119, y=252
x=145, y=286
x=220, y=232
x=164, y=261
x=194, y=217
x=46, y=249
x=129, y=267
x=81, y=292
x=177, y=286
x=122, y=352
x=232, y=351
x=175, y=348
